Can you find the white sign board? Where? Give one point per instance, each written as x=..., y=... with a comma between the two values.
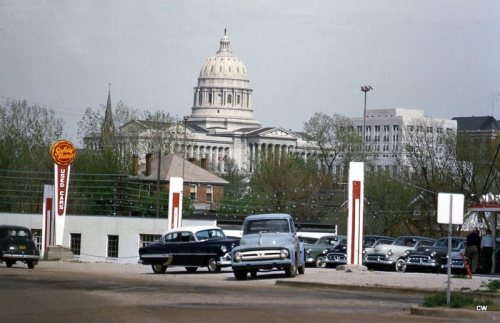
x=450, y=204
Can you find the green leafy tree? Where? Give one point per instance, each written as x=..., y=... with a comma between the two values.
x=389, y=205
x=26, y=134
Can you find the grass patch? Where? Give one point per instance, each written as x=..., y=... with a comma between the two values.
x=457, y=300
x=494, y=285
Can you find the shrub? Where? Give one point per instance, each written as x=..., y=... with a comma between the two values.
x=456, y=300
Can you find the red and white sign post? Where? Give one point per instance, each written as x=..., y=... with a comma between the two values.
x=355, y=217
x=175, y=203
x=63, y=153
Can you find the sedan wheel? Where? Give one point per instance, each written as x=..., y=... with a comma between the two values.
x=319, y=263
x=400, y=265
x=159, y=268
x=212, y=266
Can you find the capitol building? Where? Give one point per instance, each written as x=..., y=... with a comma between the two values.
x=221, y=131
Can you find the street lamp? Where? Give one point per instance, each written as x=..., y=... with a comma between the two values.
x=185, y=118
x=364, y=88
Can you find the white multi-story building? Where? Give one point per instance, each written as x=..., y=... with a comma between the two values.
x=389, y=131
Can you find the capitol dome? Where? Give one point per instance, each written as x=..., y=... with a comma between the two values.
x=223, y=65
x=223, y=98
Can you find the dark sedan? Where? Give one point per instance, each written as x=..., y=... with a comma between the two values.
x=434, y=257
x=190, y=247
x=16, y=244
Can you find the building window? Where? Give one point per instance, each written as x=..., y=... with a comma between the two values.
x=192, y=192
x=112, y=246
x=209, y=98
x=210, y=193
x=238, y=99
x=147, y=239
x=75, y=243
x=37, y=238
x=229, y=99
x=200, y=98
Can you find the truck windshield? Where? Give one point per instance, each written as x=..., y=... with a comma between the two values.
x=267, y=225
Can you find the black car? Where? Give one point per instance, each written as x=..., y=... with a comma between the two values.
x=16, y=244
x=434, y=257
x=190, y=247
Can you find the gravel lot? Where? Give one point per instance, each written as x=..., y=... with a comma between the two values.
x=421, y=281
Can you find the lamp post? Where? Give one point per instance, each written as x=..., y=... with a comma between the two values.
x=185, y=118
x=364, y=88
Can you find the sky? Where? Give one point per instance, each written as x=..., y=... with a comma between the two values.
x=302, y=57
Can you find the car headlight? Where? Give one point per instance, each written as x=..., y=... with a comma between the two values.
x=364, y=252
x=12, y=248
x=325, y=251
x=389, y=253
x=223, y=249
x=308, y=251
x=433, y=254
x=237, y=256
x=284, y=253
x=407, y=252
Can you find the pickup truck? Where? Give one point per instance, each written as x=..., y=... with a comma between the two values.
x=269, y=242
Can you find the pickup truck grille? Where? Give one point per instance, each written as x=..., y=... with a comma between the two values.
x=260, y=255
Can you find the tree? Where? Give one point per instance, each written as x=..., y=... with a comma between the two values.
x=428, y=162
x=286, y=183
x=26, y=134
x=389, y=205
x=333, y=135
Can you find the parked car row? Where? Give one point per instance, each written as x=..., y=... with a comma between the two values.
x=268, y=242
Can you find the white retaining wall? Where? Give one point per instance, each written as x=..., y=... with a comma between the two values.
x=94, y=232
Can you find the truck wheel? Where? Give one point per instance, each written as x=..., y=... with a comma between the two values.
x=291, y=271
x=240, y=274
x=159, y=268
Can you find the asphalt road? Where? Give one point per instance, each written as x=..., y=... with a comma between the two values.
x=88, y=293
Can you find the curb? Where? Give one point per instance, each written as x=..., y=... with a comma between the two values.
x=377, y=288
x=381, y=288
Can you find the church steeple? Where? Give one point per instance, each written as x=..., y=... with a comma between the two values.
x=108, y=126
